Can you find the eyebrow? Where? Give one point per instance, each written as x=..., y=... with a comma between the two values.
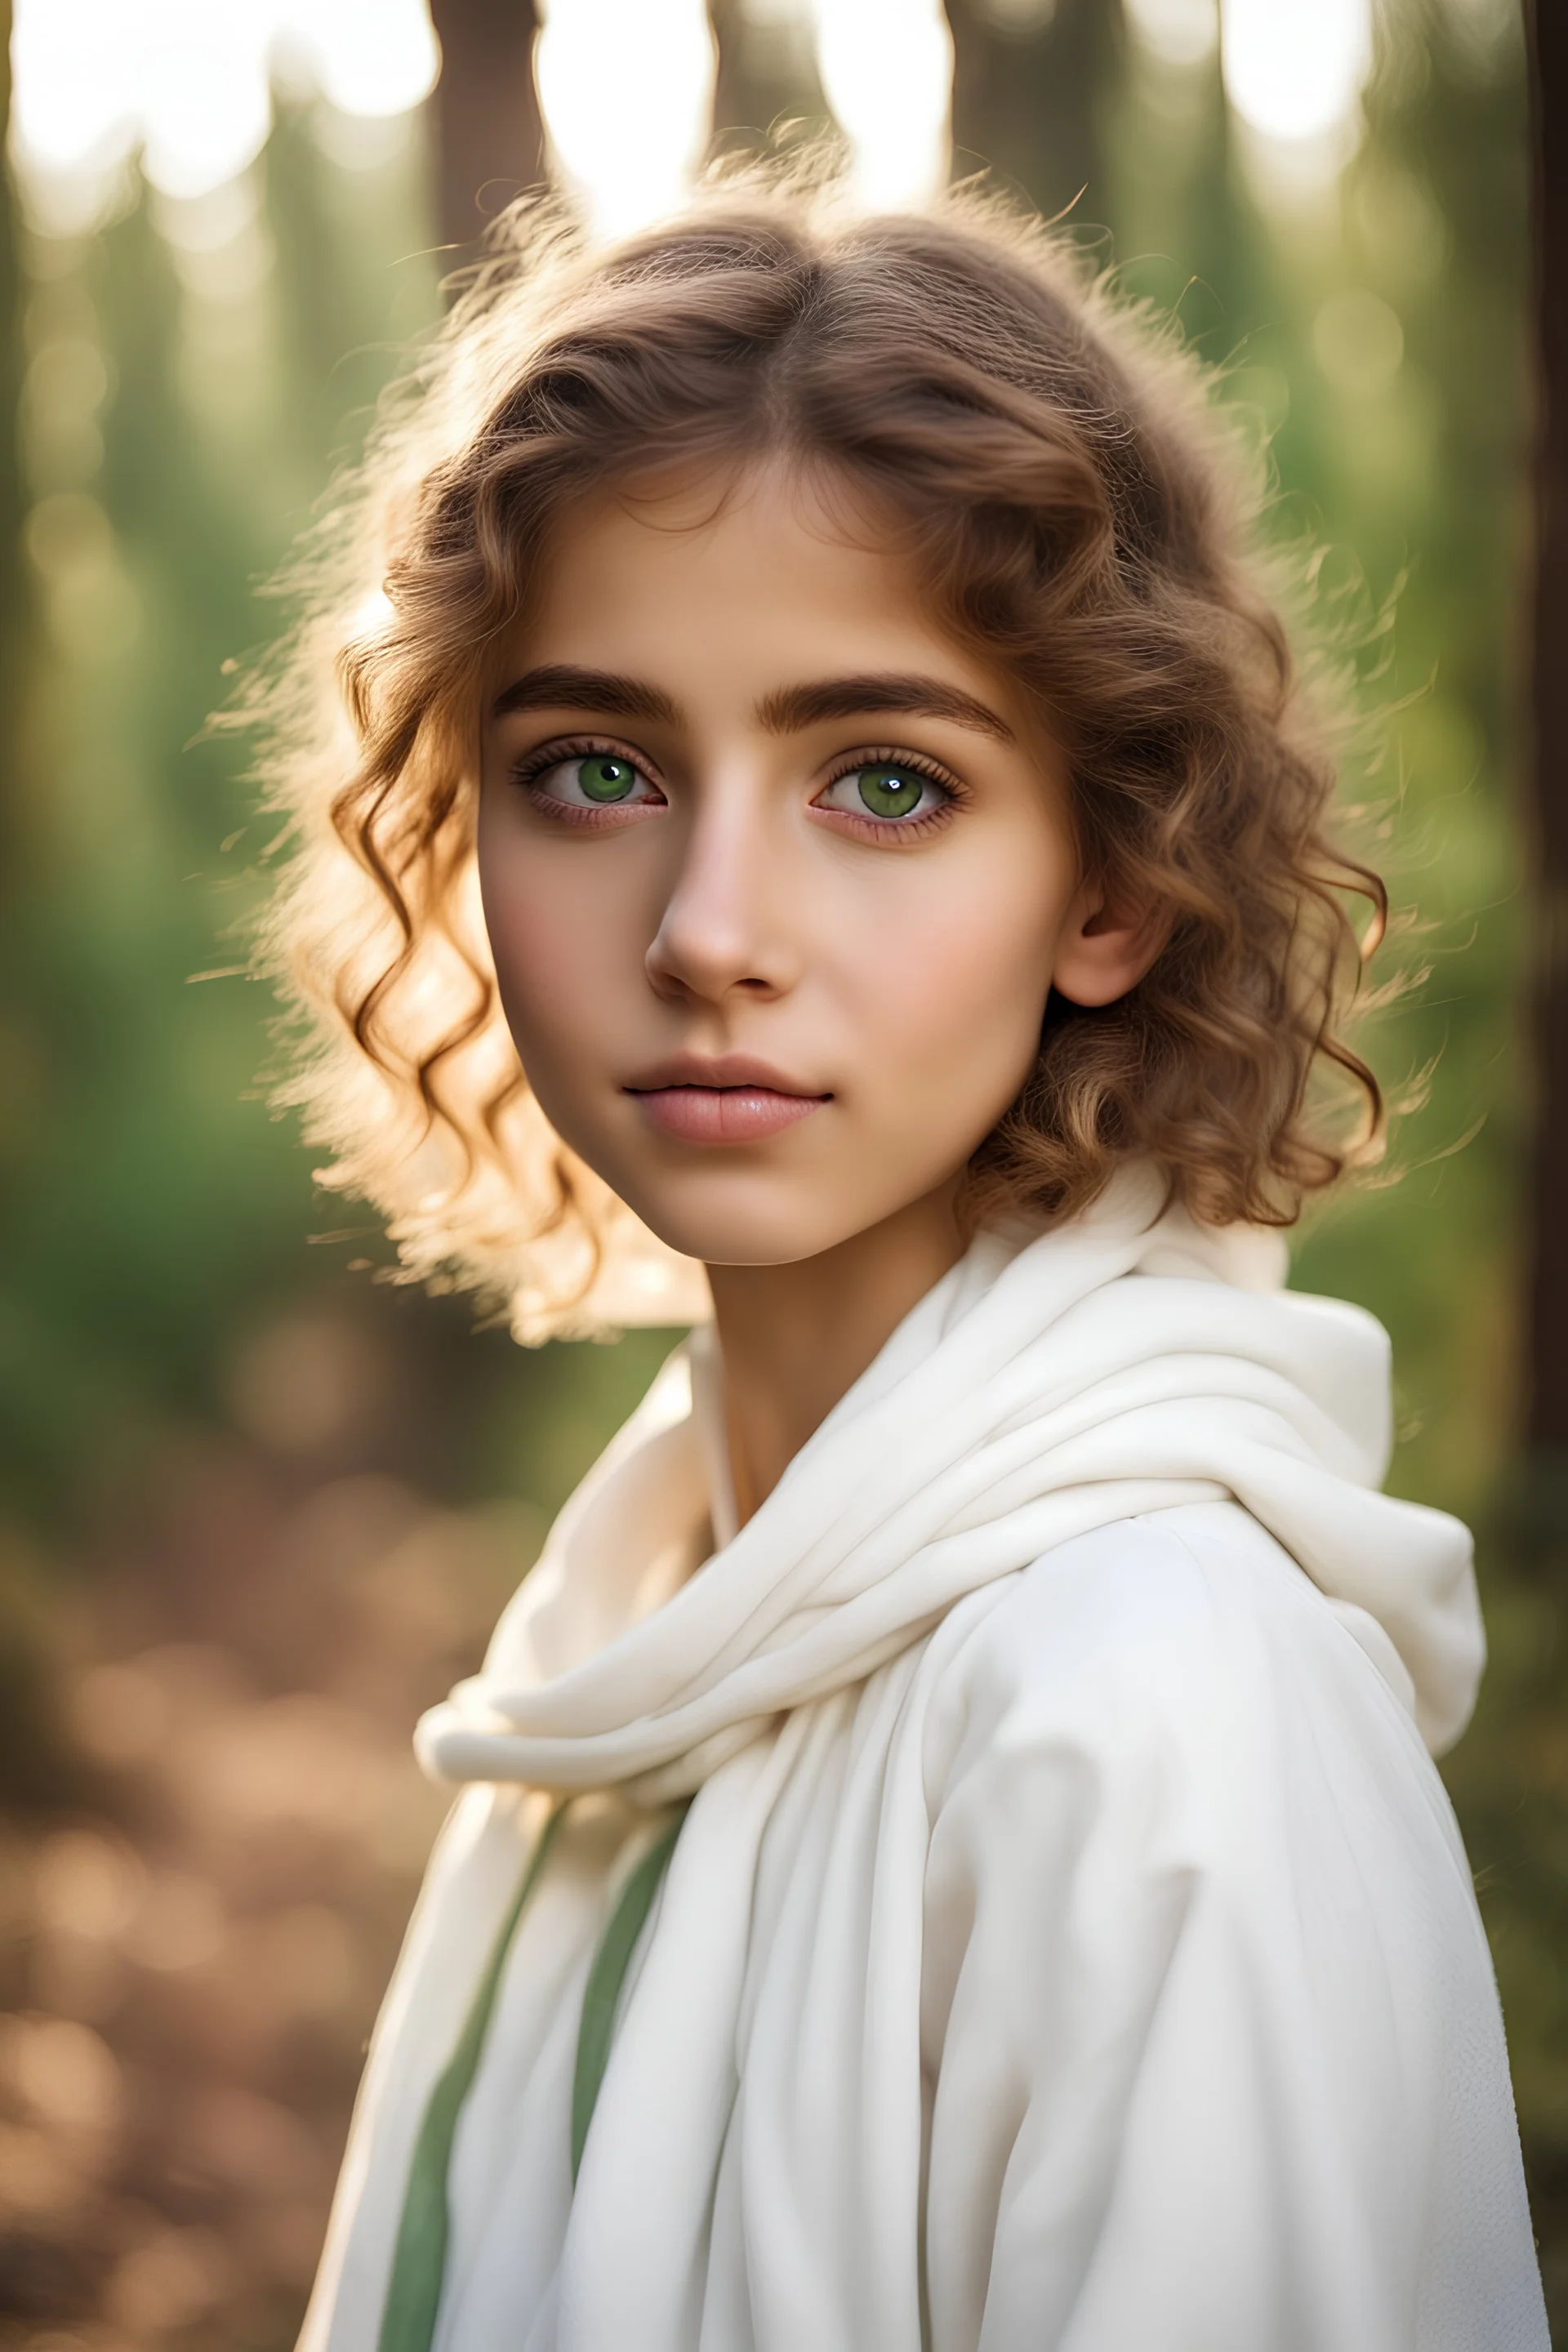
x=788, y=711
x=791, y=707
x=563, y=686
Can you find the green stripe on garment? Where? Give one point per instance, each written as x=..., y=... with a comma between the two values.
x=419, y=2256
x=602, y=1994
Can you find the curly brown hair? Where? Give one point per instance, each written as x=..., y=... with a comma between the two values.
x=1082, y=511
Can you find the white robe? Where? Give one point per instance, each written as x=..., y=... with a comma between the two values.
x=1069, y=1946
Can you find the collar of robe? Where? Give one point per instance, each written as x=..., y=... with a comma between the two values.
x=1052, y=1382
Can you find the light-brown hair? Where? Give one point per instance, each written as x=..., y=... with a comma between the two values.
x=1083, y=516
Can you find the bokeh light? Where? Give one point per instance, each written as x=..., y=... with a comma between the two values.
x=370, y=57
x=887, y=73
x=262, y=1508
x=188, y=84
x=1176, y=32
x=1294, y=69
x=626, y=87
x=1358, y=342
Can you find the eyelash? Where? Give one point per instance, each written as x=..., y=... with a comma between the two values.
x=883, y=828
x=528, y=771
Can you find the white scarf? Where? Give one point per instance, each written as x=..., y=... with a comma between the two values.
x=1122, y=1365
x=1116, y=1366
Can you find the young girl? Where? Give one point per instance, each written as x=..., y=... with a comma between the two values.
x=948, y=1853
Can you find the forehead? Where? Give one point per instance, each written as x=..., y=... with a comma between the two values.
x=738, y=583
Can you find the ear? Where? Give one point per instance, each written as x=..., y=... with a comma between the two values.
x=1104, y=949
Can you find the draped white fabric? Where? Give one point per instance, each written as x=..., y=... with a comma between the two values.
x=1069, y=1944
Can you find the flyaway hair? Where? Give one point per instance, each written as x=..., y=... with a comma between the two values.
x=1081, y=513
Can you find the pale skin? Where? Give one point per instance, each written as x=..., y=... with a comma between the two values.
x=778, y=877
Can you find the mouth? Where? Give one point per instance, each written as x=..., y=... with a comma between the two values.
x=728, y=1099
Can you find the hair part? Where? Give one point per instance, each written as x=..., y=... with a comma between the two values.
x=1082, y=515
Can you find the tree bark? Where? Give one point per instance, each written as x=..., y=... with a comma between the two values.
x=1548, y=1367
x=489, y=135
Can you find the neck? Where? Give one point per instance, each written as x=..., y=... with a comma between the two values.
x=796, y=1338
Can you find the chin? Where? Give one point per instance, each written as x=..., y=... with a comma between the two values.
x=750, y=1233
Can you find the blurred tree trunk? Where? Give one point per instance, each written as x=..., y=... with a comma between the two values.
x=489, y=135
x=767, y=76
x=1548, y=1425
x=17, y=617
x=1030, y=87
x=15, y=602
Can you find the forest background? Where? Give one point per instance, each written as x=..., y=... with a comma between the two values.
x=261, y=1507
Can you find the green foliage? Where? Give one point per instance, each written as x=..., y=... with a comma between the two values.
x=186, y=398
x=151, y=1204
x=153, y=1207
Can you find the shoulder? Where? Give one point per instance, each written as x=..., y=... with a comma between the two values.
x=1156, y=1609
x=1183, y=1653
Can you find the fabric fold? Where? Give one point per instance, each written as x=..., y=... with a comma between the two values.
x=1067, y=1940
x=1052, y=1383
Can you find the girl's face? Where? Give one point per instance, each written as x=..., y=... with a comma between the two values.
x=777, y=876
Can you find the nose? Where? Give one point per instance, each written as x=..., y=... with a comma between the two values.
x=725, y=932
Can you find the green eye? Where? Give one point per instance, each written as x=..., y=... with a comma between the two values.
x=604, y=778
x=890, y=792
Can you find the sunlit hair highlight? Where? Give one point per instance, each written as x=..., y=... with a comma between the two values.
x=1083, y=515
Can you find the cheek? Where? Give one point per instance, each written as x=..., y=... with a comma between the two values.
x=552, y=946
x=957, y=994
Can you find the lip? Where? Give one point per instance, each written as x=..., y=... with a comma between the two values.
x=725, y=1098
